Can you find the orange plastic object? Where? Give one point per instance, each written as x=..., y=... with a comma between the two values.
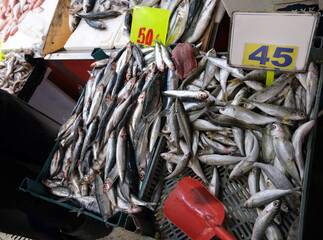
x=194, y=210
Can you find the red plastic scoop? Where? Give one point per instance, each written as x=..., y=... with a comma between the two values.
x=194, y=210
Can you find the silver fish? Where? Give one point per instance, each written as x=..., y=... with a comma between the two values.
x=284, y=151
x=247, y=163
x=297, y=141
x=121, y=153
x=248, y=116
x=263, y=197
x=311, y=87
x=264, y=219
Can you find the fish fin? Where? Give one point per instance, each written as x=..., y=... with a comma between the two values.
x=63, y=199
x=297, y=191
x=235, y=80
x=285, y=121
x=79, y=211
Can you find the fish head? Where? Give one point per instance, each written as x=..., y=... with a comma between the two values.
x=301, y=115
x=113, y=66
x=108, y=99
x=276, y=204
x=100, y=88
x=277, y=130
x=135, y=209
x=165, y=155
x=312, y=68
x=142, y=173
x=202, y=95
x=123, y=132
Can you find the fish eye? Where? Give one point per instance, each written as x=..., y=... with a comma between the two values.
x=273, y=126
x=301, y=114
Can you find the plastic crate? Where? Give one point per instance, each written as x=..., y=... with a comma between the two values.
x=238, y=220
x=118, y=219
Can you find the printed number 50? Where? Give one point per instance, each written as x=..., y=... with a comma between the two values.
x=145, y=39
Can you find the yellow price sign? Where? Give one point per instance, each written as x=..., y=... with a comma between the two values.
x=149, y=24
x=269, y=56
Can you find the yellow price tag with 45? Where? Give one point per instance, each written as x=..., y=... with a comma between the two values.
x=269, y=56
x=149, y=24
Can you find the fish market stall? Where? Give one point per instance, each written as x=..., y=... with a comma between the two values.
x=148, y=117
x=230, y=132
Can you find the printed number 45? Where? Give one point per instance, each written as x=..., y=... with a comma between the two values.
x=263, y=51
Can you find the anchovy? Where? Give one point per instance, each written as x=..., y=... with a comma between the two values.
x=253, y=180
x=248, y=116
x=311, y=87
x=178, y=22
x=264, y=219
x=222, y=63
x=280, y=181
x=187, y=94
x=297, y=141
x=272, y=90
x=203, y=21
x=268, y=153
x=214, y=185
x=183, y=122
x=103, y=201
x=95, y=104
x=285, y=151
x=263, y=197
x=167, y=58
x=279, y=111
x=247, y=163
x=120, y=153
x=159, y=57
x=111, y=154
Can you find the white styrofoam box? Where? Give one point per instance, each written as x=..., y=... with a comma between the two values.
x=32, y=29
x=52, y=101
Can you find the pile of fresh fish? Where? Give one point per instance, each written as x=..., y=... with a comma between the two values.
x=215, y=115
x=14, y=71
x=188, y=19
x=221, y=117
x=12, y=12
x=104, y=148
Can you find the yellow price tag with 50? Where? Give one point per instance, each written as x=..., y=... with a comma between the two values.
x=149, y=24
x=269, y=56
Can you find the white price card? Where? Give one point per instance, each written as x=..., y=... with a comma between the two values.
x=272, y=40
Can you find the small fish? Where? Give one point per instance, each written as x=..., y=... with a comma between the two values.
x=263, y=197
x=264, y=219
x=121, y=154
x=285, y=151
x=297, y=142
